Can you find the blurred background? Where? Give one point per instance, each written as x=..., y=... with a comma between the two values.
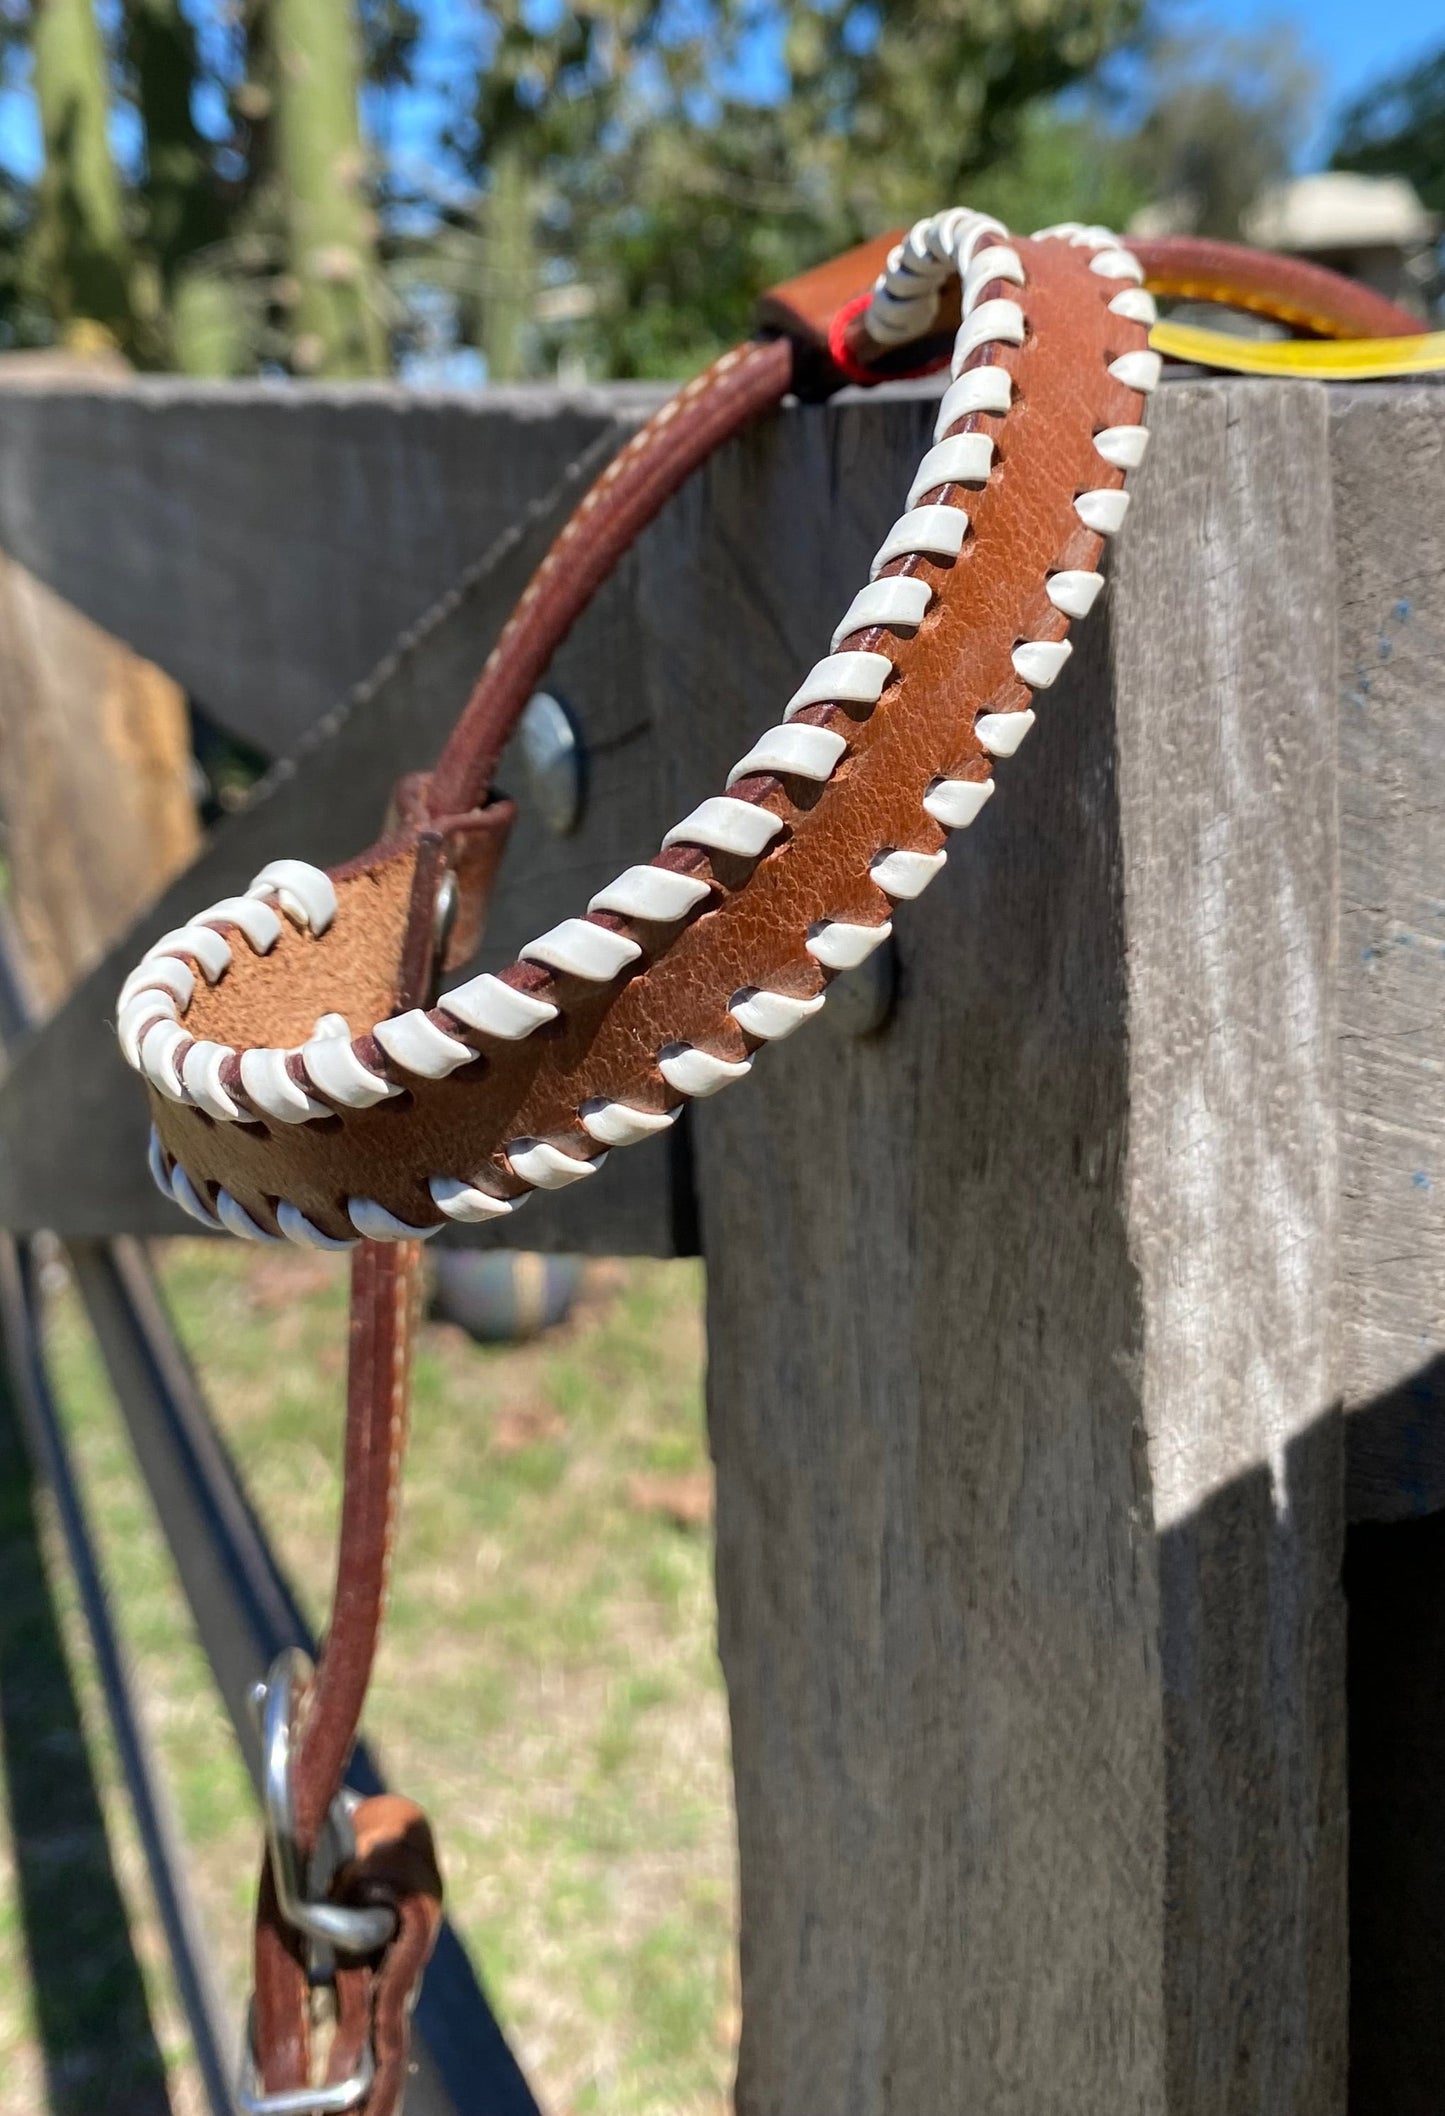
x=458, y=194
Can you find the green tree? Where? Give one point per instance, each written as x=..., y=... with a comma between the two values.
x=613, y=186
x=80, y=263
x=184, y=213
x=1224, y=119
x=1397, y=128
x=340, y=322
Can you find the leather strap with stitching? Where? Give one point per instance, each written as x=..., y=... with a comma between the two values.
x=276, y=1116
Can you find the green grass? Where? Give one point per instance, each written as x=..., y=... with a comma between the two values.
x=548, y=1688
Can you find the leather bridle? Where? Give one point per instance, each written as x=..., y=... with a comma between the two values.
x=276, y=1117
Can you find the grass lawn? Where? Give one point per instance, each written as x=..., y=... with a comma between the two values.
x=548, y=1688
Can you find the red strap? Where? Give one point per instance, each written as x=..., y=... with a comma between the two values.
x=839, y=351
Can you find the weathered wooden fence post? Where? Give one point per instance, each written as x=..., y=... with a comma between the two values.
x=1056, y=1325
x=1030, y=1482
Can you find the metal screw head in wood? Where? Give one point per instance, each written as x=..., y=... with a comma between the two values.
x=555, y=762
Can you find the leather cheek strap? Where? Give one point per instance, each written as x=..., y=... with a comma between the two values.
x=631, y=491
x=395, y=1861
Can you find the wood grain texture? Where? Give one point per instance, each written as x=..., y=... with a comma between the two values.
x=1030, y=1313
x=1028, y=1503
x=266, y=545
x=95, y=787
x=1389, y=461
x=1225, y=689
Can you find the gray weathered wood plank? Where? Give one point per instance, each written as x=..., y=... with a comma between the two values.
x=1028, y=1492
x=265, y=543
x=1389, y=456
x=1225, y=675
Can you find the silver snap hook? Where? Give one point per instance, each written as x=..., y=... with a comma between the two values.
x=300, y=1898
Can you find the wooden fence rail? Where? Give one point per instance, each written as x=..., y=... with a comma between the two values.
x=1058, y=1326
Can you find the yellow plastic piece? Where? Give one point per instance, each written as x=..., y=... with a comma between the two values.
x=1321, y=359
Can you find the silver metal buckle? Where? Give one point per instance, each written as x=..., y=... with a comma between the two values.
x=330, y=1928
x=253, y=2100
x=335, y=1926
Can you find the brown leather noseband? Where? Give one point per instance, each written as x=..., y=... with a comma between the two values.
x=308, y=1084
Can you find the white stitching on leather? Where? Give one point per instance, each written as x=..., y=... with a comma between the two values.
x=467, y=1203
x=418, y=1046
x=904, y=875
x=619, y=1124
x=1072, y=592
x=201, y=1076
x=160, y=991
x=270, y=1087
x=160, y=1047
x=1039, y=661
x=770, y=1016
x=963, y=459
x=900, y=602
x=840, y=945
x=547, y=1167
x=955, y=803
x=305, y=1233
x=1001, y=733
x=210, y=950
x=998, y=322
x=697, y=1073
x=841, y=679
x=927, y=532
x=167, y=972
x=136, y=1019
x=1137, y=371
x=493, y=1008
x=379, y=1225
x=305, y=893
x=1122, y=446
x=332, y=1066
x=256, y=920
x=722, y=824
x=798, y=750
x=578, y=948
x=979, y=389
x=1117, y=264
x=235, y=1216
x=652, y=894
x=998, y=261
x=905, y=295
x=1102, y=511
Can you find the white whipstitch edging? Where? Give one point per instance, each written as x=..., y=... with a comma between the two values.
x=428, y=1044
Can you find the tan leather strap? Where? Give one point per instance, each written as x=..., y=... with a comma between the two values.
x=713, y=915
x=633, y=488
x=394, y=1860
x=674, y=978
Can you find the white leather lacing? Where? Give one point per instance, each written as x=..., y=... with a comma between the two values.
x=341, y=1071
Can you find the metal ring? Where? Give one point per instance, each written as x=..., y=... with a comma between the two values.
x=348, y=1929
x=253, y=2100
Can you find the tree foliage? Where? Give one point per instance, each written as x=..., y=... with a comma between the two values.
x=1397, y=128
x=1225, y=119
x=677, y=159
x=609, y=184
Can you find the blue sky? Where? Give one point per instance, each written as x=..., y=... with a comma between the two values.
x=1351, y=45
